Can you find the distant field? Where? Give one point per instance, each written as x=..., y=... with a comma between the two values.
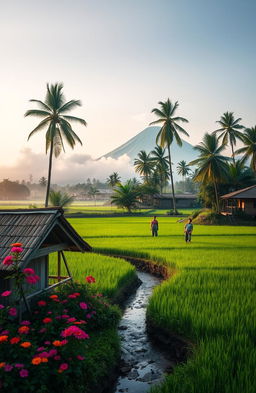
x=87, y=207
x=211, y=300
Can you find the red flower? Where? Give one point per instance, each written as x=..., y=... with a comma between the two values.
x=15, y=340
x=6, y=293
x=41, y=303
x=90, y=279
x=8, y=260
x=47, y=320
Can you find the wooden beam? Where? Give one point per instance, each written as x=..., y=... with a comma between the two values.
x=59, y=266
x=48, y=288
x=56, y=277
x=48, y=250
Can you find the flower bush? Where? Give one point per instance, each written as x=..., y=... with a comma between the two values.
x=48, y=348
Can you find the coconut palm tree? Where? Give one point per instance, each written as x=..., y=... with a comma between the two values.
x=126, y=196
x=169, y=131
x=211, y=165
x=57, y=124
x=113, y=179
x=57, y=198
x=144, y=164
x=249, y=150
x=229, y=131
x=183, y=170
x=93, y=191
x=161, y=165
x=239, y=176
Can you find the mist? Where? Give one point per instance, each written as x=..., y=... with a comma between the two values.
x=67, y=168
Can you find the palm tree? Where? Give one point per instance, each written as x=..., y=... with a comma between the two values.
x=183, y=170
x=249, y=150
x=126, y=196
x=144, y=164
x=169, y=131
x=58, y=128
x=93, y=191
x=161, y=165
x=229, y=131
x=113, y=179
x=43, y=181
x=57, y=198
x=239, y=176
x=212, y=166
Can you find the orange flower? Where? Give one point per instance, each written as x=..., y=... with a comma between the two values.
x=53, y=297
x=60, y=371
x=2, y=364
x=23, y=329
x=57, y=343
x=36, y=361
x=44, y=360
x=15, y=340
x=3, y=339
x=16, y=245
x=26, y=344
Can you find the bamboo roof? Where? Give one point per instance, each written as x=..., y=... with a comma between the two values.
x=244, y=193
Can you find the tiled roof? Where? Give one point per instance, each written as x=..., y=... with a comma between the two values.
x=246, y=193
x=30, y=227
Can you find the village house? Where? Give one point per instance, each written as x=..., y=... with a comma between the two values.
x=241, y=200
x=165, y=201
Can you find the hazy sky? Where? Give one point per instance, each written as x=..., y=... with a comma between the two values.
x=120, y=57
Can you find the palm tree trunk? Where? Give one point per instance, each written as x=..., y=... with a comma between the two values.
x=49, y=175
x=233, y=154
x=216, y=196
x=173, y=194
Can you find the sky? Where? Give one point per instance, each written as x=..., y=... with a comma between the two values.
x=120, y=58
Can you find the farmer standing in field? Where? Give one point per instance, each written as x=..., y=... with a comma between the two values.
x=154, y=226
x=188, y=229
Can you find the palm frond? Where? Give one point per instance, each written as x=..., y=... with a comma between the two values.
x=75, y=119
x=40, y=126
x=37, y=112
x=68, y=106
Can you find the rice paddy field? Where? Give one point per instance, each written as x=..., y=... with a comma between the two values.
x=210, y=300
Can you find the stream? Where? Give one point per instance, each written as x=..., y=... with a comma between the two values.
x=142, y=363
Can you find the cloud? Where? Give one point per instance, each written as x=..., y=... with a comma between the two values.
x=67, y=169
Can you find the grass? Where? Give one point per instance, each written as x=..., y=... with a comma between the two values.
x=111, y=274
x=211, y=300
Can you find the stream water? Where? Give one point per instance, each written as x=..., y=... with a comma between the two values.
x=142, y=364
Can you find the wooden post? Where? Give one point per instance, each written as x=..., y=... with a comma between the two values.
x=66, y=265
x=59, y=267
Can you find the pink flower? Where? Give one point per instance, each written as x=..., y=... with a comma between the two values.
x=43, y=354
x=8, y=367
x=6, y=293
x=83, y=306
x=19, y=365
x=47, y=342
x=42, y=330
x=57, y=357
x=23, y=373
x=65, y=316
x=1, y=306
x=74, y=331
x=52, y=352
x=17, y=250
x=63, y=366
x=40, y=349
x=32, y=279
x=71, y=320
x=8, y=260
x=29, y=271
x=79, y=357
x=64, y=342
x=25, y=323
x=12, y=312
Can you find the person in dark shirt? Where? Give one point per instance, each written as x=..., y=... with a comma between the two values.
x=154, y=227
x=188, y=229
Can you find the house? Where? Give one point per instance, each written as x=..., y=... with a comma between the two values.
x=165, y=201
x=241, y=200
x=41, y=232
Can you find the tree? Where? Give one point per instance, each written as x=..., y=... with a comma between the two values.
x=169, y=131
x=211, y=165
x=43, y=181
x=126, y=196
x=93, y=191
x=144, y=164
x=183, y=170
x=229, y=131
x=58, y=125
x=113, y=179
x=161, y=165
x=249, y=150
x=239, y=176
x=60, y=199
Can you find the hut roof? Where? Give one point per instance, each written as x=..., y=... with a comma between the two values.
x=177, y=196
x=37, y=229
x=244, y=193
